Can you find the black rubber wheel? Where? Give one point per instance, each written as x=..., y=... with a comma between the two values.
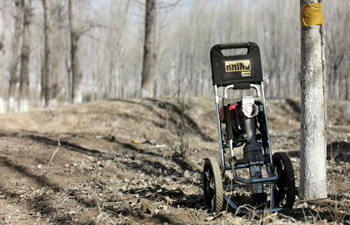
x=284, y=190
x=212, y=185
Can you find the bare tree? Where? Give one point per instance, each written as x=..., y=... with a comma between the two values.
x=45, y=79
x=16, y=40
x=313, y=103
x=75, y=34
x=149, y=50
x=58, y=46
x=52, y=50
x=114, y=38
x=107, y=47
x=25, y=56
x=337, y=42
x=2, y=10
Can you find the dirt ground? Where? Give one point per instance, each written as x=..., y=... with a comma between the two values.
x=140, y=161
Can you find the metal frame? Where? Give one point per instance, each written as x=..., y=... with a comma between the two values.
x=271, y=179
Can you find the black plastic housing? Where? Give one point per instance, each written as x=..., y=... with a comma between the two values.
x=236, y=69
x=253, y=153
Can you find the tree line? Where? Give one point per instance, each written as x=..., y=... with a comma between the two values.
x=69, y=51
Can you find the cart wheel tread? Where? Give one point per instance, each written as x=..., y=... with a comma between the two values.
x=285, y=190
x=212, y=185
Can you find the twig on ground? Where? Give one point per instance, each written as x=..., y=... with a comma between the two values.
x=54, y=153
x=101, y=216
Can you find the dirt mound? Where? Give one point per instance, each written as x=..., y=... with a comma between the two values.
x=140, y=161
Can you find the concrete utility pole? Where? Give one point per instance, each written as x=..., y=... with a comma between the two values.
x=313, y=182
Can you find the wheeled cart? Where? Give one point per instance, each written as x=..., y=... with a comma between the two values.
x=243, y=125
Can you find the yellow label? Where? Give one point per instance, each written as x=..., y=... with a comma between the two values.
x=243, y=66
x=312, y=14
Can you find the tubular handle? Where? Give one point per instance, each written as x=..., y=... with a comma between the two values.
x=240, y=86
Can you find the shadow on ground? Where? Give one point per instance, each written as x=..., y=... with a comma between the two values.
x=340, y=151
x=175, y=112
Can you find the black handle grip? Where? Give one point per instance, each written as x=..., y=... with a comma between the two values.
x=217, y=49
x=240, y=86
x=232, y=46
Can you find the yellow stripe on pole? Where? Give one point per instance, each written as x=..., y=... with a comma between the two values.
x=312, y=14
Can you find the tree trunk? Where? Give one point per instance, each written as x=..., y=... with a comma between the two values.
x=25, y=55
x=313, y=117
x=45, y=91
x=16, y=40
x=2, y=10
x=114, y=40
x=149, y=50
x=75, y=63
